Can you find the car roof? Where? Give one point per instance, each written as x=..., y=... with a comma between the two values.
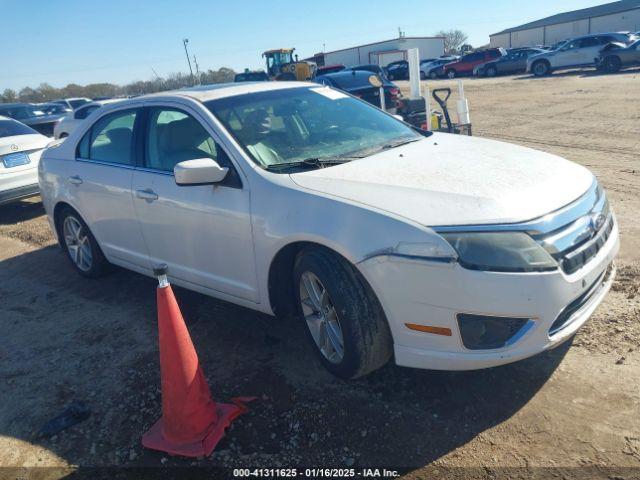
x=15, y=105
x=204, y=93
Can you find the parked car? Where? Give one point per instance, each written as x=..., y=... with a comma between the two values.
x=466, y=64
x=70, y=122
x=427, y=65
x=515, y=61
x=32, y=116
x=398, y=70
x=53, y=108
x=442, y=251
x=435, y=69
x=326, y=69
x=373, y=68
x=258, y=76
x=357, y=83
x=73, y=103
x=615, y=56
x=574, y=53
x=20, y=150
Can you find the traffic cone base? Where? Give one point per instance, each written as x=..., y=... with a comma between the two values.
x=156, y=440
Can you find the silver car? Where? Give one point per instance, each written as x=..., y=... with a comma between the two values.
x=577, y=52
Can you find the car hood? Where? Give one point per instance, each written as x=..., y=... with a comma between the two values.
x=449, y=179
x=22, y=143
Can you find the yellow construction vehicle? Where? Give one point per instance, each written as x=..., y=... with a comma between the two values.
x=282, y=66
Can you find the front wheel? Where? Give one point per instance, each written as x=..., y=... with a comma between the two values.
x=492, y=72
x=541, y=69
x=81, y=246
x=344, y=319
x=423, y=76
x=612, y=64
x=433, y=75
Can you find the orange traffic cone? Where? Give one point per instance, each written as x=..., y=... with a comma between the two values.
x=192, y=424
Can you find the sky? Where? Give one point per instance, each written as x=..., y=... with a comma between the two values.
x=119, y=41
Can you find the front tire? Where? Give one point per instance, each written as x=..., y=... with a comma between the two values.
x=541, y=68
x=81, y=247
x=423, y=76
x=612, y=64
x=345, y=321
x=433, y=75
x=492, y=72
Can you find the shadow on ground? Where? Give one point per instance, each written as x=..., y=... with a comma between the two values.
x=71, y=339
x=21, y=211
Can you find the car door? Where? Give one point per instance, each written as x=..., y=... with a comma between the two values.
x=588, y=50
x=100, y=187
x=567, y=56
x=203, y=233
x=506, y=63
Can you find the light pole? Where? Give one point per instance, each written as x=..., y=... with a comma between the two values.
x=185, y=41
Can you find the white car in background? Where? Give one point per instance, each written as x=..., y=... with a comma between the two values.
x=574, y=53
x=72, y=103
x=443, y=251
x=71, y=120
x=20, y=150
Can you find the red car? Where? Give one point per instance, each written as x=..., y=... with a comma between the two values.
x=467, y=63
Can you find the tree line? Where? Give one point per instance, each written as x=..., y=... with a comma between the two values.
x=45, y=92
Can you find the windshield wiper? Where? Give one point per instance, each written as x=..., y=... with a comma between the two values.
x=313, y=162
x=399, y=143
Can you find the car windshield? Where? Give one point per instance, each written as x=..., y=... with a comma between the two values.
x=10, y=128
x=77, y=102
x=20, y=112
x=288, y=126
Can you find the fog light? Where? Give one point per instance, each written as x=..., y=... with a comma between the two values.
x=482, y=332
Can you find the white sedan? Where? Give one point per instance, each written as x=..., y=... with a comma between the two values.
x=71, y=120
x=20, y=150
x=443, y=251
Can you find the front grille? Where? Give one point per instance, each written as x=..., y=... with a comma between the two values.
x=565, y=316
x=579, y=241
x=574, y=260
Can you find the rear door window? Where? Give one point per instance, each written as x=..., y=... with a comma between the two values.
x=110, y=139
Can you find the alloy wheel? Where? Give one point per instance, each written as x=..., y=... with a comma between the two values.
x=321, y=317
x=78, y=244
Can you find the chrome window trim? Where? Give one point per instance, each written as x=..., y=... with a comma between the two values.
x=542, y=225
x=108, y=164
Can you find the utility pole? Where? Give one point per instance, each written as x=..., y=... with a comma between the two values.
x=195, y=62
x=185, y=41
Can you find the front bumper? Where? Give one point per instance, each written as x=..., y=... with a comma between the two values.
x=432, y=294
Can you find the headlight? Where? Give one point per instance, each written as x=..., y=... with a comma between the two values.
x=500, y=252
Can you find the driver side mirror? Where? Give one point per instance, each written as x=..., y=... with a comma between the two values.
x=201, y=171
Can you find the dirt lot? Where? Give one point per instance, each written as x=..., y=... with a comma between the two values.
x=575, y=409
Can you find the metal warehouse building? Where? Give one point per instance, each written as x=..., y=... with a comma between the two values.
x=382, y=53
x=611, y=17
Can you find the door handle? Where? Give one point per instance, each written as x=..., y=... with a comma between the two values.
x=75, y=179
x=147, y=194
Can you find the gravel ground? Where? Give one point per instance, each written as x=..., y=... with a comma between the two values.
x=575, y=409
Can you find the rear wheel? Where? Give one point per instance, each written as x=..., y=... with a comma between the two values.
x=612, y=64
x=541, y=68
x=344, y=319
x=451, y=73
x=82, y=249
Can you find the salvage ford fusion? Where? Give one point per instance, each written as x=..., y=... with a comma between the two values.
x=448, y=252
